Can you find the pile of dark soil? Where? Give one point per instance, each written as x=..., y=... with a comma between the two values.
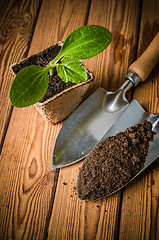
x=56, y=85
x=114, y=162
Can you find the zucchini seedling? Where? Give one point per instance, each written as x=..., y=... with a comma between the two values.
x=31, y=83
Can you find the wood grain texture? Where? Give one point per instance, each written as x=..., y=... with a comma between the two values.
x=27, y=182
x=71, y=218
x=25, y=176
x=17, y=23
x=140, y=205
x=74, y=219
x=122, y=19
x=61, y=18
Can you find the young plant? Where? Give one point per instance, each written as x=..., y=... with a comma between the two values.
x=31, y=83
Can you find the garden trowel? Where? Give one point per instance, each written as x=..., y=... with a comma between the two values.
x=91, y=120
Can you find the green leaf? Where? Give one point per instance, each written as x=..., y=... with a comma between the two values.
x=29, y=86
x=71, y=69
x=86, y=42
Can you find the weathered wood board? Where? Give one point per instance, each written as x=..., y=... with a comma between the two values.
x=17, y=23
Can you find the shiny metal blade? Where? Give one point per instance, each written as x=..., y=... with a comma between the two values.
x=87, y=125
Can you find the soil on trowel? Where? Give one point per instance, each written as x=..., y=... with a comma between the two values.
x=56, y=85
x=114, y=162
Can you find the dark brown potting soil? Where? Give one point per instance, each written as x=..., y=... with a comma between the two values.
x=56, y=85
x=114, y=162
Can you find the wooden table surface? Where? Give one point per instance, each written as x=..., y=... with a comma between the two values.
x=34, y=202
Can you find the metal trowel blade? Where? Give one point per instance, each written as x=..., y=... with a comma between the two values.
x=85, y=127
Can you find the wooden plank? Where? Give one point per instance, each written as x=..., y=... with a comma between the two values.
x=111, y=66
x=139, y=214
x=71, y=218
x=26, y=179
x=27, y=182
x=74, y=219
x=16, y=29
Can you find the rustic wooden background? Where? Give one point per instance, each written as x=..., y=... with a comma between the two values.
x=34, y=203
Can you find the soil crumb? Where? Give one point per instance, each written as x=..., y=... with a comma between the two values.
x=114, y=161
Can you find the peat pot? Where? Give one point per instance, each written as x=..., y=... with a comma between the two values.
x=66, y=97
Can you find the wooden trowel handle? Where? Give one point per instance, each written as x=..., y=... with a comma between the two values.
x=146, y=62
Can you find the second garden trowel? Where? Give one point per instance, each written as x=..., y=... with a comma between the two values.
x=88, y=124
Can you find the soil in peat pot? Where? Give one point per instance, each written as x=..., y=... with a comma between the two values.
x=114, y=162
x=56, y=85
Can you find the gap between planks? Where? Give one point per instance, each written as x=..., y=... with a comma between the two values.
x=13, y=33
